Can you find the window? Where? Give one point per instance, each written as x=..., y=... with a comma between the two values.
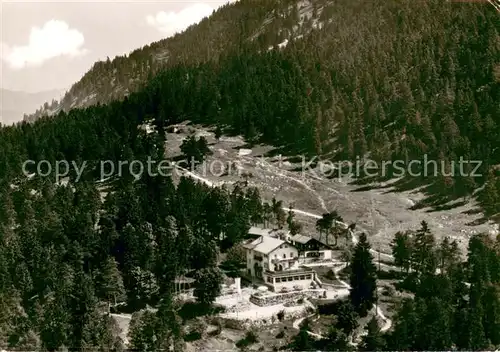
x=284, y=256
x=290, y=278
x=278, y=279
x=275, y=256
x=295, y=278
x=302, y=277
x=308, y=277
x=291, y=254
x=269, y=279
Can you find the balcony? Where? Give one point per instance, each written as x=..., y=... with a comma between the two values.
x=289, y=272
x=288, y=259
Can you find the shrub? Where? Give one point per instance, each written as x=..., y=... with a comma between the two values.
x=249, y=339
x=251, y=336
x=410, y=283
x=196, y=330
x=199, y=326
x=388, y=291
x=216, y=332
x=281, y=315
x=305, y=324
x=389, y=275
x=192, y=336
x=330, y=275
x=280, y=335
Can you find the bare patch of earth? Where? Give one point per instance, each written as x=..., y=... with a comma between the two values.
x=376, y=212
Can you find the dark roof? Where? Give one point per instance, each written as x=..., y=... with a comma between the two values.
x=301, y=238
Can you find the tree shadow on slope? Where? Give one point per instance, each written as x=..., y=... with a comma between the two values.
x=435, y=199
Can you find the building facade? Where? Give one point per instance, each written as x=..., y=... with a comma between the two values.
x=288, y=280
x=310, y=249
x=276, y=262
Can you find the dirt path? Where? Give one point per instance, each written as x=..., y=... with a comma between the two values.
x=380, y=212
x=123, y=321
x=296, y=325
x=280, y=172
x=388, y=322
x=286, y=174
x=297, y=211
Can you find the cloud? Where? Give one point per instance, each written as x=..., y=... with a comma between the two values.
x=170, y=23
x=54, y=39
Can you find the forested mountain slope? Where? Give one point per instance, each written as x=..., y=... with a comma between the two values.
x=389, y=79
x=394, y=80
x=220, y=33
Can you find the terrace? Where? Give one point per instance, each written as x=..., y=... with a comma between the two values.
x=286, y=273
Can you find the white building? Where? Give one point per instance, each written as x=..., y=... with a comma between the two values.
x=310, y=249
x=276, y=262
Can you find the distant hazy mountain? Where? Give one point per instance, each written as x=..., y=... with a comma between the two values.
x=14, y=104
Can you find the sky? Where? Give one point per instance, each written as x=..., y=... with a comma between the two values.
x=50, y=45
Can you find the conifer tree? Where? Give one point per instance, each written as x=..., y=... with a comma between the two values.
x=337, y=340
x=373, y=340
x=302, y=341
x=405, y=334
x=363, y=278
x=346, y=319
x=168, y=325
x=448, y=255
x=424, y=254
x=491, y=318
x=111, y=283
x=208, y=285
x=402, y=250
x=218, y=132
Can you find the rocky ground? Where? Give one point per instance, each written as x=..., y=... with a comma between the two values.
x=378, y=212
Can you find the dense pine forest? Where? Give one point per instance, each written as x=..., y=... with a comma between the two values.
x=390, y=80
x=456, y=307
